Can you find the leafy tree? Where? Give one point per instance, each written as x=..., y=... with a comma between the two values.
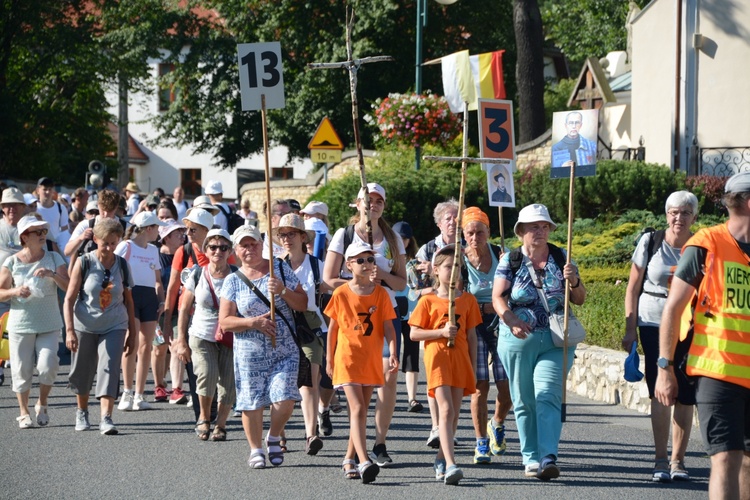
x=586, y=28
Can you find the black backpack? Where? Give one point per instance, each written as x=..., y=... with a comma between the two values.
x=233, y=220
x=85, y=269
x=516, y=261
x=90, y=245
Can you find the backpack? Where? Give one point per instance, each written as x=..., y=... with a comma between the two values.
x=188, y=253
x=348, y=239
x=496, y=250
x=654, y=243
x=234, y=220
x=315, y=266
x=516, y=261
x=85, y=268
x=90, y=245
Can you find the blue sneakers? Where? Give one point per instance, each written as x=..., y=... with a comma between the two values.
x=482, y=451
x=497, y=437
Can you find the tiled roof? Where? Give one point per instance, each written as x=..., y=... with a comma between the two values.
x=135, y=153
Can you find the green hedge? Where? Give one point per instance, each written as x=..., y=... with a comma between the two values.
x=603, y=314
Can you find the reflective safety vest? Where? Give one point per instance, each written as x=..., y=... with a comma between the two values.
x=721, y=342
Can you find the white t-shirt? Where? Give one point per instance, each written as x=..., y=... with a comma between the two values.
x=658, y=273
x=143, y=262
x=182, y=207
x=221, y=219
x=383, y=256
x=56, y=216
x=205, y=318
x=278, y=250
x=307, y=279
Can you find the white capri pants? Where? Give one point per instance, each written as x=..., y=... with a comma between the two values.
x=25, y=348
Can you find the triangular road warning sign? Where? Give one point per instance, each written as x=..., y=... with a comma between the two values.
x=325, y=137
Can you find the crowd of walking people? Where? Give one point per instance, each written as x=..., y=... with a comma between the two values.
x=260, y=321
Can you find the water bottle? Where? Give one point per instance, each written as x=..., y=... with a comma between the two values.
x=159, y=337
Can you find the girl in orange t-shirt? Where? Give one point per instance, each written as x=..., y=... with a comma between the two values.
x=361, y=314
x=450, y=370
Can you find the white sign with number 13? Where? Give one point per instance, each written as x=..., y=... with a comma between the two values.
x=261, y=74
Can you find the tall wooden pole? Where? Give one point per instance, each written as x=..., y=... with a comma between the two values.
x=269, y=238
x=567, y=295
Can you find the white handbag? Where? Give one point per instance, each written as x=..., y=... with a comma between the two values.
x=576, y=332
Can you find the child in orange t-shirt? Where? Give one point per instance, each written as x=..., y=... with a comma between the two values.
x=450, y=370
x=361, y=315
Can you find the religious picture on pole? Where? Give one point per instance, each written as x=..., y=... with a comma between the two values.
x=574, y=139
x=500, y=186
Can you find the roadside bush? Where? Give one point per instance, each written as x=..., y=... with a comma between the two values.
x=603, y=314
x=709, y=190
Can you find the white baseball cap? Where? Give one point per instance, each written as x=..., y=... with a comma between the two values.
x=29, y=198
x=92, y=205
x=213, y=187
x=200, y=217
x=317, y=225
x=29, y=221
x=246, y=231
x=357, y=248
x=315, y=207
x=372, y=187
x=145, y=219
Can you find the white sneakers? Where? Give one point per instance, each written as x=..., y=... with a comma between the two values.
x=42, y=418
x=132, y=402
x=140, y=404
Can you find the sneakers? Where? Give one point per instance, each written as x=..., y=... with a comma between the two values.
x=313, y=445
x=82, y=420
x=548, y=469
x=434, y=440
x=531, y=469
x=439, y=468
x=453, y=475
x=126, y=401
x=380, y=456
x=678, y=471
x=160, y=394
x=482, y=451
x=324, y=422
x=107, y=427
x=178, y=397
x=24, y=422
x=140, y=404
x=42, y=418
x=497, y=437
x=661, y=471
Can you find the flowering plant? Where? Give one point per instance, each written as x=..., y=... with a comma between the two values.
x=415, y=119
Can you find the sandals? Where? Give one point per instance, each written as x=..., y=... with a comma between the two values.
x=275, y=457
x=203, y=433
x=678, y=471
x=661, y=471
x=352, y=473
x=220, y=434
x=282, y=445
x=368, y=471
x=415, y=406
x=313, y=445
x=257, y=460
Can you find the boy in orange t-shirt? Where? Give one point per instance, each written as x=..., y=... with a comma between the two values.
x=361, y=315
x=450, y=370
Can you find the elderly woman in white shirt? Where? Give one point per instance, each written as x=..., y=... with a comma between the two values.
x=29, y=279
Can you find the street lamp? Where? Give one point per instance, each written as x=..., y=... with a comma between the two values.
x=421, y=23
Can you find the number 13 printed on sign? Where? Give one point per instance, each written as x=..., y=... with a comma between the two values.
x=261, y=73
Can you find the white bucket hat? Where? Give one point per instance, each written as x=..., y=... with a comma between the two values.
x=204, y=202
x=214, y=187
x=222, y=233
x=145, y=219
x=200, y=217
x=29, y=221
x=12, y=195
x=169, y=226
x=533, y=213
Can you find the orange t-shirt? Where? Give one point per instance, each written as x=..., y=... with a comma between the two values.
x=359, y=348
x=445, y=365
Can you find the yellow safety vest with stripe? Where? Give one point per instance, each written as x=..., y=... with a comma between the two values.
x=721, y=342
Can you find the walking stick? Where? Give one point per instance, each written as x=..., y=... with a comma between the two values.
x=268, y=208
x=566, y=310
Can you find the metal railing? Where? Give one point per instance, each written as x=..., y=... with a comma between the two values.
x=605, y=152
x=724, y=161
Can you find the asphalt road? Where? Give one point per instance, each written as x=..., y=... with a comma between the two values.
x=606, y=452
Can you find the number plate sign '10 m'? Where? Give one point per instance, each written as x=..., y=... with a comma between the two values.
x=261, y=73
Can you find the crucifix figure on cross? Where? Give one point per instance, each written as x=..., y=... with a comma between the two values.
x=465, y=160
x=352, y=66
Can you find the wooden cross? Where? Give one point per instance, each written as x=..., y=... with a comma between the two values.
x=352, y=66
x=464, y=159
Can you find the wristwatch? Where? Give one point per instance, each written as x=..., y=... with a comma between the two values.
x=283, y=292
x=664, y=363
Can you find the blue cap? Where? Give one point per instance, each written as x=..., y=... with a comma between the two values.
x=403, y=229
x=632, y=373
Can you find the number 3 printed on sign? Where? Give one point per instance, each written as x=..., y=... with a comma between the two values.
x=496, y=129
x=497, y=118
x=261, y=73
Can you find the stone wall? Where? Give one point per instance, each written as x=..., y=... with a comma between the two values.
x=535, y=153
x=597, y=374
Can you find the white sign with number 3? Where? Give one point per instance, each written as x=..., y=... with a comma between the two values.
x=261, y=74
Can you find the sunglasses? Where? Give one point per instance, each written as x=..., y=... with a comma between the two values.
x=362, y=260
x=222, y=248
x=38, y=232
x=107, y=278
x=192, y=230
x=284, y=236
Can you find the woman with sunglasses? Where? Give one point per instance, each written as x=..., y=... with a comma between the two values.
x=99, y=323
x=213, y=361
x=266, y=357
x=294, y=238
x=29, y=280
x=148, y=304
x=390, y=272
